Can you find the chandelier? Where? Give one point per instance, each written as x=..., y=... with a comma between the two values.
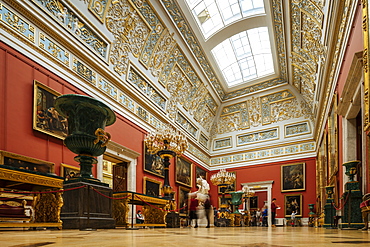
x=247, y=191
x=223, y=178
x=166, y=138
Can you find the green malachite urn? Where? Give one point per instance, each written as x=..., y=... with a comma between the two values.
x=236, y=200
x=87, y=119
x=351, y=169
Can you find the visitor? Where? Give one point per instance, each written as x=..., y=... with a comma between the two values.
x=208, y=210
x=193, y=210
x=139, y=217
x=273, y=211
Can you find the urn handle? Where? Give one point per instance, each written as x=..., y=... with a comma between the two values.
x=102, y=136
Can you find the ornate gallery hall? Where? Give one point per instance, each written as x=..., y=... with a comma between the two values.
x=184, y=122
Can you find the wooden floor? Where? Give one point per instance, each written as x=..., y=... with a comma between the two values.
x=192, y=237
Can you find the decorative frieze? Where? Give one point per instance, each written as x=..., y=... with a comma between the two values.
x=75, y=24
x=54, y=49
x=17, y=23
x=297, y=129
x=84, y=71
x=294, y=149
x=222, y=143
x=259, y=136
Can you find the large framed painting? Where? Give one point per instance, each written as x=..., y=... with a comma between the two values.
x=199, y=172
x=152, y=187
x=184, y=171
x=293, y=202
x=153, y=163
x=68, y=171
x=45, y=118
x=25, y=163
x=230, y=187
x=333, y=141
x=293, y=177
x=183, y=200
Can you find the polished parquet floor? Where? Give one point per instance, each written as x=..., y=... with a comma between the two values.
x=192, y=237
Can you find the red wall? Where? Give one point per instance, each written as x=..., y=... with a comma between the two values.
x=16, y=103
x=272, y=171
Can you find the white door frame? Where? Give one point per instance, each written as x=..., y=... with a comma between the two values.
x=263, y=186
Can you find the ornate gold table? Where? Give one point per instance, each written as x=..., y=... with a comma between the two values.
x=153, y=209
x=44, y=208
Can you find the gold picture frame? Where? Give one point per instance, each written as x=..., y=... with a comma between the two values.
x=26, y=163
x=66, y=170
x=183, y=202
x=293, y=177
x=333, y=141
x=153, y=164
x=152, y=187
x=289, y=200
x=45, y=118
x=184, y=171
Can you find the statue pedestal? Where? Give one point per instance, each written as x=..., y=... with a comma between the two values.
x=329, y=211
x=352, y=207
x=84, y=208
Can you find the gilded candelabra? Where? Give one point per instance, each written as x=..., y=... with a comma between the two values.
x=223, y=179
x=166, y=143
x=248, y=193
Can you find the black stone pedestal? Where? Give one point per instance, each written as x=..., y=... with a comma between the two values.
x=84, y=208
x=351, y=214
x=172, y=220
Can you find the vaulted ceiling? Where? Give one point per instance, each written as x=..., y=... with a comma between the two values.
x=151, y=62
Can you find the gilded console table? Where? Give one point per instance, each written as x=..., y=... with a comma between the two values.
x=43, y=208
x=153, y=214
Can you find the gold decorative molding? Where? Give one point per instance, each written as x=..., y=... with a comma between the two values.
x=24, y=177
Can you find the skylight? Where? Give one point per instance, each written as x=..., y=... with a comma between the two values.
x=212, y=15
x=245, y=56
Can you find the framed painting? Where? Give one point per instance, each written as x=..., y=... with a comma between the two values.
x=183, y=200
x=293, y=203
x=333, y=141
x=253, y=202
x=183, y=171
x=293, y=177
x=230, y=187
x=153, y=163
x=152, y=187
x=26, y=163
x=199, y=172
x=45, y=118
x=68, y=171
x=227, y=200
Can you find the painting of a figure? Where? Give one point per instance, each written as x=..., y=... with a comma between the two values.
x=153, y=163
x=293, y=177
x=183, y=200
x=293, y=203
x=45, y=118
x=183, y=171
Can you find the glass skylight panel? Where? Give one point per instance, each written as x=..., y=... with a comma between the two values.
x=245, y=56
x=212, y=15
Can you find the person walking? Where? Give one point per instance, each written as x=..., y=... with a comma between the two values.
x=273, y=211
x=208, y=210
x=193, y=210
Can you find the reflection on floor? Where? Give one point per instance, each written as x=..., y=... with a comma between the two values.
x=194, y=237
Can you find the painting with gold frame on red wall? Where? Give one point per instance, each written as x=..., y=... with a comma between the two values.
x=184, y=171
x=293, y=177
x=45, y=118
